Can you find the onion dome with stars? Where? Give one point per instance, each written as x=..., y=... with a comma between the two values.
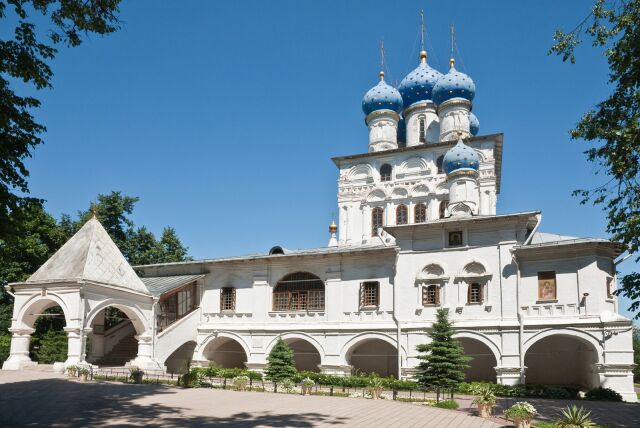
x=382, y=97
x=454, y=84
x=418, y=85
x=460, y=157
x=474, y=124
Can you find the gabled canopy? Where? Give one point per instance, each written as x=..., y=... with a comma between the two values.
x=90, y=255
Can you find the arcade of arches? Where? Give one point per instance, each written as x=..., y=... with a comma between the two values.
x=483, y=361
x=225, y=352
x=373, y=356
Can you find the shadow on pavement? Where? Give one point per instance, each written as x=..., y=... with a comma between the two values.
x=64, y=403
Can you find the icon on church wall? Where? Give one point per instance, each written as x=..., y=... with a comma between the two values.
x=455, y=238
x=547, y=286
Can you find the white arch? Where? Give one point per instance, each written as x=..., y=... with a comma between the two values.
x=399, y=192
x=470, y=334
x=222, y=334
x=358, y=339
x=469, y=268
x=433, y=269
x=33, y=301
x=376, y=195
x=132, y=311
x=566, y=331
x=298, y=335
x=420, y=190
x=414, y=166
x=362, y=171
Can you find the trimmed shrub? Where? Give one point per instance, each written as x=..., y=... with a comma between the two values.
x=603, y=394
x=446, y=404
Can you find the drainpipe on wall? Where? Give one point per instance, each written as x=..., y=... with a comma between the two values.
x=395, y=319
x=520, y=318
x=154, y=326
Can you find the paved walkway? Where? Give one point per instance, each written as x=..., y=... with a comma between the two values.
x=47, y=399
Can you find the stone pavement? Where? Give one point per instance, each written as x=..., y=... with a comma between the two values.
x=36, y=398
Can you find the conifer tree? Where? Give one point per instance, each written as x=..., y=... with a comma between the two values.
x=280, y=364
x=443, y=361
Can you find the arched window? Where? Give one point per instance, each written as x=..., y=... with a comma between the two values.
x=423, y=131
x=439, y=163
x=377, y=215
x=430, y=295
x=401, y=214
x=385, y=172
x=443, y=208
x=300, y=291
x=420, y=213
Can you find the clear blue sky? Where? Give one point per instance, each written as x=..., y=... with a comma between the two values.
x=222, y=116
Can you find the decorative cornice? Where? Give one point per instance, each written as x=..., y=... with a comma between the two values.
x=420, y=105
x=387, y=114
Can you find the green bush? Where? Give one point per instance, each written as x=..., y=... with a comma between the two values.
x=446, y=404
x=556, y=392
x=603, y=394
x=49, y=347
x=5, y=346
x=191, y=379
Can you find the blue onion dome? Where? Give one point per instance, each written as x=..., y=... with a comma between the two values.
x=460, y=157
x=474, y=124
x=382, y=97
x=418, y=85
x=454, y=84
x=402, y=132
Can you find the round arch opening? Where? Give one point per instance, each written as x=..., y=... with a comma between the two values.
x=225, y=352
x=483, y=361
x=373, y=356
x=305, y=355
x=49, y=342
x=298, y=291
x=562, y=360
x=112, y=341
x=179, y=359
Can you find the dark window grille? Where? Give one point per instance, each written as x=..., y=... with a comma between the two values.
x=422, y=137
x=385, y=172
x=370, y=294
x=430, y=295
x=475, y=293
x=376, y=220
x=420, y=213
x=402, y=214
x=439, y=163
x=300, y=291
x=443, y=208
x=228, y=299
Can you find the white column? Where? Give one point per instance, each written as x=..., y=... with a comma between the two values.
x=74, y=346
x=366, y=217
x=411, y=214
x=19, y=353
x=144, y=359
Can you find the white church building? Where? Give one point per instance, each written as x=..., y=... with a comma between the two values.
x=417, y=231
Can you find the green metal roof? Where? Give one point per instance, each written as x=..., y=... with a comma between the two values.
x=159, y=285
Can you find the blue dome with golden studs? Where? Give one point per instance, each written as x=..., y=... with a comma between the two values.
x=474, y=124
x=460, y=157
x=418, y=85
x=454, y=84
x=382, y=97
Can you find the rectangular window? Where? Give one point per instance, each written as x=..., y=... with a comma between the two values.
x=547, y=285
x=609, y=287
x=177, y=305
x=475, y=293
x=430, y=295
x=455, y=238
x=370, y=294
x=228, y=299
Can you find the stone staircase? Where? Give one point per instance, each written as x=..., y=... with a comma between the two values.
x=124, y=351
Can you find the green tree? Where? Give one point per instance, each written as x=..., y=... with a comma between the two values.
x=612, y=128
x=442, y=361
x=171, y=247
x=24, y=62
x=636, y=354
x=280, y=364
